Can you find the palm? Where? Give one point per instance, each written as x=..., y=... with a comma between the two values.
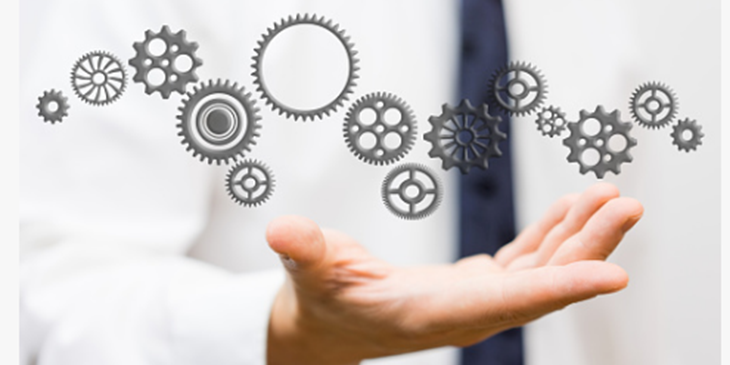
x=385, y=310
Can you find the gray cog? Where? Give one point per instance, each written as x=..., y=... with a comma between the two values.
x=52, y=106
x=98, y=78
x=512, y=92
x=176, y=46
x=355, y=128
x=687, y=144
x=653, y=105
x=250, y=183
x=425, y=196
x=218, y=121
x=610, y=125
x=551, y=121
x=277, y=105
x=465, y=136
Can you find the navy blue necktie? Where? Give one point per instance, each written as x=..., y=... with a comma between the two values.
x=486, y=198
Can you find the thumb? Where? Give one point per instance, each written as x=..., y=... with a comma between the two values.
x=300, y=243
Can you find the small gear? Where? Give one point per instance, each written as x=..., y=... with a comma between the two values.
x=250, y=183
x=551, y=121
x=176, y=62
x=465, y=136
x=218, y=121
x=515, y=94
x=52, y=106
x=411, y=191
x=380, y=128
x=98, y=78
x=609, y=126
x=679, y=138
x=653, y=105
x=277, y=105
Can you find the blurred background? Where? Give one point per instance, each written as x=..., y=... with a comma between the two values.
x=590, y=52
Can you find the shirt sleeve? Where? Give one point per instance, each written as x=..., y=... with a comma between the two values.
x=110, y=204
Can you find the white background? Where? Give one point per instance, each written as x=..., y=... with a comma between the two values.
x=9, y=102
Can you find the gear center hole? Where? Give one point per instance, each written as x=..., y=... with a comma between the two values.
x=653, y=105
x=319, y=74
x=687, y=135
x=412, y=191
x=517, y=89
x=465, y=137
x=218, y=122
x=249, y=183
x=52, y=106
x=98, y=78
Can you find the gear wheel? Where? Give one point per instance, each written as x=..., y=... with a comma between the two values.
x=177, y=62
x=508, y=86
x=610, y=126
x=551, y=121
x=653, y=105
x=465, y=136
x=277, y=105
x=250, y=183
x=382, y=128
x=687, y=144
x=412, y=191
x=52, y=106
x=218, y=121
x=98, y=78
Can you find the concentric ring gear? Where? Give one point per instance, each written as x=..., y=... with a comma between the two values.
x=382, y=128
x=687, y=144
x=170, y=61
x=52, y=106
x=250, y=183
x=277, y=105
x=653, y=105
x=218, y=121
x=98, y=78
x=610, y=125
x=465, y=136
x=512, y=92
x=551, y=121
x=412, y=191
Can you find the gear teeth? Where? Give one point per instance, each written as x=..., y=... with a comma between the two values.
x=165, y=62
x=217, y=151
x=464, y=155
x=411, y=214
x=496, y=99
x=353, y=129
x=250, y=200
x=609, y=160
x=279, y=107
x=61, y=110
x=683, y=144
x=653, y=122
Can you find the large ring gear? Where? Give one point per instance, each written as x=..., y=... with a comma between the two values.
x=517, y=88
x=610, y=126
x=653, y=105
x=218, y=121
x=175, y=62
x=250, y=183
x=387, y=122
x=411, y=191
x=52, y=106
x=98, y=78
x=258, y=59
x=465, y=136
x=551, y=121
x=680, y=139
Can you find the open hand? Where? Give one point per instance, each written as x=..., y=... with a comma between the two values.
x=341, y=305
